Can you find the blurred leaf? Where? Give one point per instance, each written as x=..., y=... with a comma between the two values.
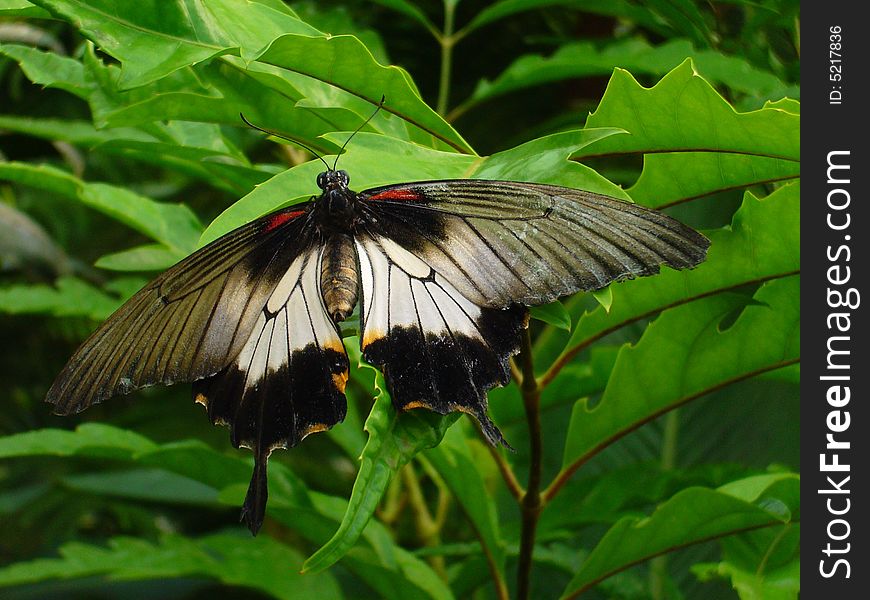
x=409, y=9
x=683, y=355
x=175, y=225
x=693, y=515
x=151, y=257
x=453, y=460
x=260, y=563
x=69, y=297
x=89, y=439
x=393, y=441
x=151, y=485
x=616, y=8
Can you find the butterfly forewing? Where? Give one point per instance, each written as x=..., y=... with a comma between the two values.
x=189, y=322
x=502, y=243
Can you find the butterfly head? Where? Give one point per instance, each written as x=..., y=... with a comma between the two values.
x=332, y=180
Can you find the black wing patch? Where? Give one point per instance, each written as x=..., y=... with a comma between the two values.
x=437, y=349
x=288, y=380
x=501, y=243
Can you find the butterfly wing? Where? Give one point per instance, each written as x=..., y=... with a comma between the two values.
x=288, y=380
x=447, y=268
x=243, y=319
x=437, y=349
x=502, y=243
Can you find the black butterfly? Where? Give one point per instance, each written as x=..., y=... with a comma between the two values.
x=443, y=272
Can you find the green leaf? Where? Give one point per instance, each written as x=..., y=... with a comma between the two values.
x=21, y=8
x=584, y=59
x=260, y=563
x=393, y=572
x=151, y=485
x=154, y=39
x=393, y=441
x=69, y=297
x=693, y=515
x=151, y=257
x=762, y=243
x=50, y=69
x=553, y=313
x=375, y=160
x=174, y=225
x=680, y=119
x=777, y=584
x=683, y=355
x=344, y=63
x=89, y=439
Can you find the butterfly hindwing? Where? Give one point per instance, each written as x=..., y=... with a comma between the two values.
x=288, y=380
x=438, y=350
x=502, y=243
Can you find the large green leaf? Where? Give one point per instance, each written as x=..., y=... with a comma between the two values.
x=263, y=564
x=374, y=160
x=691, y=516
x=394, y=439
x=153, y=39
x=683, y=116
x=583, y=59
x=685, y=354
x=762, y=243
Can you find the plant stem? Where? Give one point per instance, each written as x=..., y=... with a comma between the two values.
x=530, y=503
x=428, y=530
x=658, y=570
x=447, y=41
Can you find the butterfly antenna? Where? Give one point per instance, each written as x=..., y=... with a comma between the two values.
x=284, y=137
x=340, y=152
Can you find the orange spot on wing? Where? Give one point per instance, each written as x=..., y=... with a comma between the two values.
x=371, y=337
x=398, y=194
x=340, y=380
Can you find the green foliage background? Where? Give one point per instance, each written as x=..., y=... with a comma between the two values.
x=668, y=405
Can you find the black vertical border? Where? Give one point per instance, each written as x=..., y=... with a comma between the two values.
x=827, y=127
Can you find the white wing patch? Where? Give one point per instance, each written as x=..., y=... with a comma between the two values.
x=294, y=318
x=400, y=290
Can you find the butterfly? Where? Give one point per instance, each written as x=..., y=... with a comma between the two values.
x=442, y=271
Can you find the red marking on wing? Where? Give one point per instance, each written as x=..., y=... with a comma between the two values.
x=397, y=194
x=280, y=219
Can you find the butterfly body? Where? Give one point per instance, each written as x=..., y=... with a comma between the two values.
x=442, y=273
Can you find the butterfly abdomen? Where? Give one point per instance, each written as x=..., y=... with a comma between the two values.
x=339, y=282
